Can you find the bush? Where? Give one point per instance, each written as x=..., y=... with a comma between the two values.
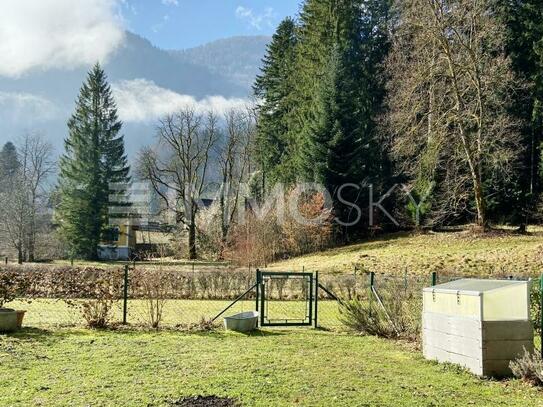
x=13, y=284
x=92, y=291
x=529, y=367
x=308, y=237
x=365, y=318
x=257, y=242
x=264, y=239
x=154, y=285
x=399, y=318
x=535, y=304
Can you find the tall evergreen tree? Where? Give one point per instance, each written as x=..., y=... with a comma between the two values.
x=339, y=92
x=274, y=88
x=9, y=162
x=94, y=158
x=524, y=40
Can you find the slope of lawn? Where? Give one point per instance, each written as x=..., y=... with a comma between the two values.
x=271, y=368
x=501, y=252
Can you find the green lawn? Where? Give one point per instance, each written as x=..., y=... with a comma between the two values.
x=50, y=314
x=271, y=368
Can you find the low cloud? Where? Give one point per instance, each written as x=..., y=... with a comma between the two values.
x=256, y=20
x=170, y=2
x=26, y=106
x=44, y=34
x=141, y=100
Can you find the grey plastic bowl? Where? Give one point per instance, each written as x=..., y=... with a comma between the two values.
x=8, y=320
x=243, y=322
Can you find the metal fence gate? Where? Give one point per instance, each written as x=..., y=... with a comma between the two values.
x=297, y=305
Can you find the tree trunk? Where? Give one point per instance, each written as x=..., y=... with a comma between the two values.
x=193, y=255
x=480, y=203
x=20, y=257
x=32, y=232
x=31, y=244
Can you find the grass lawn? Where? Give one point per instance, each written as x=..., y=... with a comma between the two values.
x=46, y=314
x=460, y=253
x=270, y=368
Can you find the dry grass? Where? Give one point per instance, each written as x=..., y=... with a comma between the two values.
x=461, y=253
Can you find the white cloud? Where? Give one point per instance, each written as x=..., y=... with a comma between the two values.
x=255, y=20
x=48, y=34
x=141, y=100
x=26, y=106
x=170, y=2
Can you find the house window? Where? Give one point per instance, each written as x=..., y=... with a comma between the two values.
x=115, y=232
x=112, y=234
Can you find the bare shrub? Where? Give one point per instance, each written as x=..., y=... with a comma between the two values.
x=92, y=291
x=315, y=232
x=528, y=367
x=365, y=318
x=209, y=237
x=257, y=242
x=263, y=239
x=13, y=284
x=399, y=317
x=154, y=286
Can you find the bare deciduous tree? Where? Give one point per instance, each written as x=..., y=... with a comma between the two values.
x=233, y=159
x=449, y=92
x=178, y=166
x=24, y=195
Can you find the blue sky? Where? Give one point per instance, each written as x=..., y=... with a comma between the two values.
x=177, y=24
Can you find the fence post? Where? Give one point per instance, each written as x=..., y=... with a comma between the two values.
x=434, y=278
x=6, y=259
x=125, y=295
x=316, y=299
x=541, y=312
x=372, y=282
x=257, y=287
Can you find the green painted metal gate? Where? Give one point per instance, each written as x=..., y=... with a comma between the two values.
x=279, y=312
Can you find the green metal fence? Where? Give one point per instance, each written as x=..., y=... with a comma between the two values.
x=189, y=297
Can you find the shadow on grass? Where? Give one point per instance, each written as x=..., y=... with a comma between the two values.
x=54, y=334
x=260, y=332
x=51, y=335
x=36, y=335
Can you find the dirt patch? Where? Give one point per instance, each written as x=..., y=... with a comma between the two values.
x=205, y=401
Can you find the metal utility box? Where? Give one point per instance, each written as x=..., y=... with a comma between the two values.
x=479, y=324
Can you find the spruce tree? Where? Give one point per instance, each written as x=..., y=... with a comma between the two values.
x=9, y=162
x=94, y=158
x=523, y=19
x=339, y=92
x=274, y=89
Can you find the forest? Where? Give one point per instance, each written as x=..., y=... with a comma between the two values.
x=370, y=116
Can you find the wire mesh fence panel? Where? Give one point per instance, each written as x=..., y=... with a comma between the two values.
x=329, y=314
x=171, y=298
x=180, y=313
x=48, y=313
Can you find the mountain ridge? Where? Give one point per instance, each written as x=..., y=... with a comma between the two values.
x=43, y=100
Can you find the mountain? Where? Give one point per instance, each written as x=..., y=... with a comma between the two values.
x=236, y=58
x=43, y=100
